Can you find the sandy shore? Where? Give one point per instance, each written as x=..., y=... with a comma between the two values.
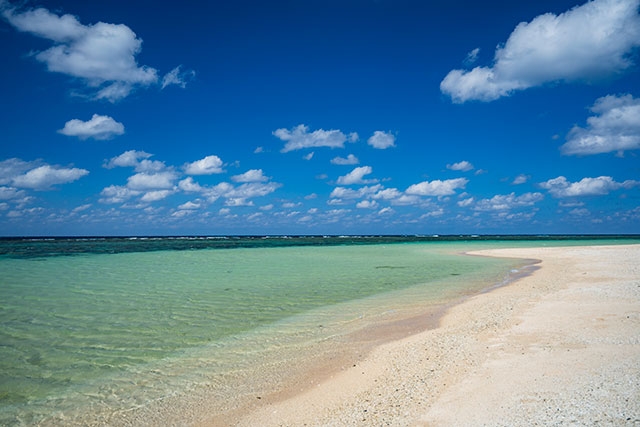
x=558, y=347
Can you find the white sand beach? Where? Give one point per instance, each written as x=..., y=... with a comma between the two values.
x=558, y=347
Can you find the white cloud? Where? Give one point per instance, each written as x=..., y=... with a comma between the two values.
x=7, y=193
x=570, y=204
x=237, y=201
x=102, y=55
x=579, y=212
x=465, y=202
x=437, y=212
x=144, y=181
x=153, y=180
x=177, y=77
x=117, y=194
x=585, y=43
x=561, y=187
x=11, y=168
x=615, y=127
x=299, y=138
x=309, y=156
x=81, y=208
x=520, y=179
x=155, y=195
x=129, y=158
x=181, y=213
x=463, y=166
x=114, y=92
x=349, y=160
x=253, y=175
x=388, y=194
x=437, y=187
x=219, y=190
x=253, y=189
x=151, y=166
x=348, y=193
x=367, y=204
x=508, y=201
x=207, y=166
x=188, y=185
x=356, y=176
x=472, y=56
x=98, y=127
x=46, y=176
x=381, y=140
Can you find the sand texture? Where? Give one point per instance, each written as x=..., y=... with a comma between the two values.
x=558, y=347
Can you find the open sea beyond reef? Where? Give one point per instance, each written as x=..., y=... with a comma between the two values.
x=95, y=330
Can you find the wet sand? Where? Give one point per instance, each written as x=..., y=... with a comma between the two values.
x=560, y=346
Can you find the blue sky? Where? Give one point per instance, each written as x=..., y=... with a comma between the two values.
x=319, y=117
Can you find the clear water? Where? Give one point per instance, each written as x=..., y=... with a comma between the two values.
x=84, y=338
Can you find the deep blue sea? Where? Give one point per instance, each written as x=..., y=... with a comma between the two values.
x=94, y=330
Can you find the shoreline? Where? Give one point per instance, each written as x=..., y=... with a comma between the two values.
x=496, y=357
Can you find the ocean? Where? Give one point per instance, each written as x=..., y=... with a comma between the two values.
x=113, y=331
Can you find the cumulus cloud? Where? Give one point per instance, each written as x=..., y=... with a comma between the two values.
x=463, y=166
x=466, y=202
x=144, y=181
x=138, y=160
x=367, y=204
x=98, y=127
x=388, y=194
x=437, y=187
x=253, y=175
x=349, y=160
x=188, y=185
x=508, y=201
x=356, y=176
x=219, y=190
x=615, y=127
x=234, y=196
x=206, y=166
x=36, y=175
x=520, y=179
x=129, y=158
x=7, y=193
x=155, y=195
x=382, y=140
x=252, y=189
x=46, y=176
x=587, y=42
x=11, y=168
x=240, y=196
x=117, y=194
x=561, y=187
x=348, y=193
x=299, y=137
x=103, y=55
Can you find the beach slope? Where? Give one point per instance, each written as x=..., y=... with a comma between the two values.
x=560, y=346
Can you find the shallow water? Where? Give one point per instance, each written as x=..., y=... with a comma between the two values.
x=90, y=336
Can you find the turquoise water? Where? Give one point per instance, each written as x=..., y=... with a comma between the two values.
x=87, y=336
